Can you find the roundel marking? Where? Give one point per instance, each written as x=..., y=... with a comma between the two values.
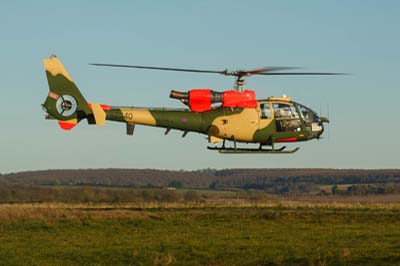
x=66, y=105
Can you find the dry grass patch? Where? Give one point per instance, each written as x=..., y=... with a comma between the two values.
x=60, y=211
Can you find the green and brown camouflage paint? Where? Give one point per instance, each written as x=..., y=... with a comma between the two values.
x=240, y=124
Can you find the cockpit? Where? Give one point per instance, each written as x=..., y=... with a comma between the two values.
x=293, y=117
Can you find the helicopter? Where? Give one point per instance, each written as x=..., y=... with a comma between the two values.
x=234, y=115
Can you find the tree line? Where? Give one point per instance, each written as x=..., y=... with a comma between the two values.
x=275, y=181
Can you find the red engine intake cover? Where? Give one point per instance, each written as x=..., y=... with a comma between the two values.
x=200, y=100
x=245, y=99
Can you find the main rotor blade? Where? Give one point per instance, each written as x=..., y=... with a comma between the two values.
x=261, y=71
x=162, y=68
x=301, y=73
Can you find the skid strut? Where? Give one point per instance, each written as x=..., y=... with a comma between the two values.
x=235, y=149
x=248, y=150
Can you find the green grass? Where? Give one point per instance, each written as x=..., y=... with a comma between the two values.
x=278, y=235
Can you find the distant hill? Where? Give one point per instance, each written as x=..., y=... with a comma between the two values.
x=270, y=180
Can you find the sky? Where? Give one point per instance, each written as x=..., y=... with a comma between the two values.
x=361, y=38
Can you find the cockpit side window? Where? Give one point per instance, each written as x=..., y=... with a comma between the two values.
x=286, y=117
x=284, y=111
x=265, y=111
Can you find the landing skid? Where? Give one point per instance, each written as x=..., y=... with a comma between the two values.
x=248, y=150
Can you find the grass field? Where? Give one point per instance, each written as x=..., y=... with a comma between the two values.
x=227, y=233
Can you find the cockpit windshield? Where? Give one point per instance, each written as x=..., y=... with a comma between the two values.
x=308, y=115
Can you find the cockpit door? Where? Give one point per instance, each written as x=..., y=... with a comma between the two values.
x=286, y=117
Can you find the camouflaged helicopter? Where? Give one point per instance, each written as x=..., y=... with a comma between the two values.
x=234, y=115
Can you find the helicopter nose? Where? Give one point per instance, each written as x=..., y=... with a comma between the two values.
x=321, y=130
x=319, y=134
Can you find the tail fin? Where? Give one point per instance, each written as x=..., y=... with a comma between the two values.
x=64, y=101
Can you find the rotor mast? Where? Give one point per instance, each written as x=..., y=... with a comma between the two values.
x=239, y=84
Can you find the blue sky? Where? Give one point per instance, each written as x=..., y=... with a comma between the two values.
x=357, y=37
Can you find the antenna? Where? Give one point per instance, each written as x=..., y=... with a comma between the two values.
x=329, y=127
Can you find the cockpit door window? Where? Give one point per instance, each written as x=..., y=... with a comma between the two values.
x=286, y=118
